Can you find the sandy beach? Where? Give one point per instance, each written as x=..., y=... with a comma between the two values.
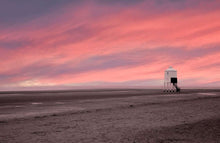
x=113, y=116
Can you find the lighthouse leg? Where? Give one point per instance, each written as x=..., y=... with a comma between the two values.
x=171, y=87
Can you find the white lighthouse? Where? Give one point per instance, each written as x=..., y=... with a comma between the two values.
x=170, y=80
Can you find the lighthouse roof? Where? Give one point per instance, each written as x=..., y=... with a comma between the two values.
x=170, y=69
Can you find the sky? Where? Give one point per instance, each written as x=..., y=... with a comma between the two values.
x=72, y=43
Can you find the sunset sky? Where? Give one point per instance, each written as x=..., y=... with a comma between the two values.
x=54, y=43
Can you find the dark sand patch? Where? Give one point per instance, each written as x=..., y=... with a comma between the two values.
x=205, y=131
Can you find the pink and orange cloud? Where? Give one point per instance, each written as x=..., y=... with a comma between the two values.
x=77, y=43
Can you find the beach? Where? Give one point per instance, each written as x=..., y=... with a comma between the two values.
x=110, y=116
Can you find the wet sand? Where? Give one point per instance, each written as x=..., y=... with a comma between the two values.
x=145, y=118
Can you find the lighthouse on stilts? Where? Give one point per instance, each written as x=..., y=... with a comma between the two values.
x=170, y=80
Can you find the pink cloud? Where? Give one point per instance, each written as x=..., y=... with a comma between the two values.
x=71, y=35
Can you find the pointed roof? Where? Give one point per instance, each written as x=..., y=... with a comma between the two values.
x=170, y=69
